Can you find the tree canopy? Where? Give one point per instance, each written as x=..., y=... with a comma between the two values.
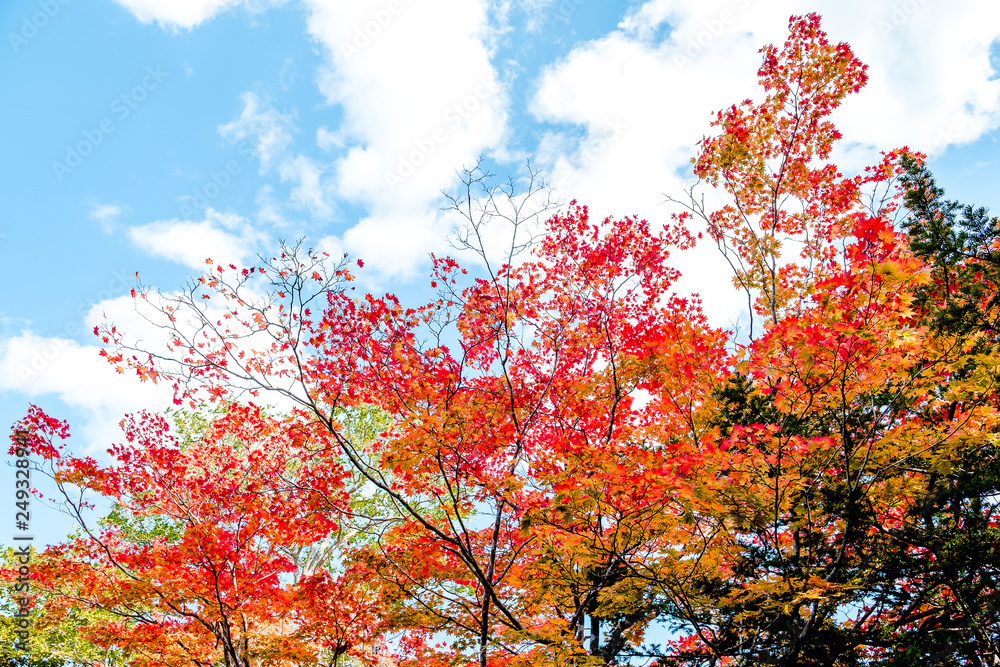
x=559, y=459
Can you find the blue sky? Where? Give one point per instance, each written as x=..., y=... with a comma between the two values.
x=142, y=136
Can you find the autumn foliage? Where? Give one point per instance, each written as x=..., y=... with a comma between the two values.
x=198, y=558
x=565, y=462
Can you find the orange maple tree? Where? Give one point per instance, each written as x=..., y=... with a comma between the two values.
x=840, y=414
x=569, y=457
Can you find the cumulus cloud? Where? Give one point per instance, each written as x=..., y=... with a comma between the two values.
x=420, y=99
x=41, y=367
x=107, y=215
x=931, y=83
x=37, y=366
x=223, y=237
x=399, y=242
x=328, y=140
x=420, y=96
x=309, y=191
x=269, y=130
x=188, y=13
x=644, y=94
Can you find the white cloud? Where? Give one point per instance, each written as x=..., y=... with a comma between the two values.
x=420, y=99
x=288, y=76
x=107, y=215
x=10, y=324
x=188, y=13
x=269, y=210
x=929, y=70
x=269, y=129
x=271, y=133
x=39, y=367
x=36, y=366
x=223, y=237
x=672, y=63
x=328, y=140
x=393, y=245
x=309, y=191
x=540, y=13
x=420, y=96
